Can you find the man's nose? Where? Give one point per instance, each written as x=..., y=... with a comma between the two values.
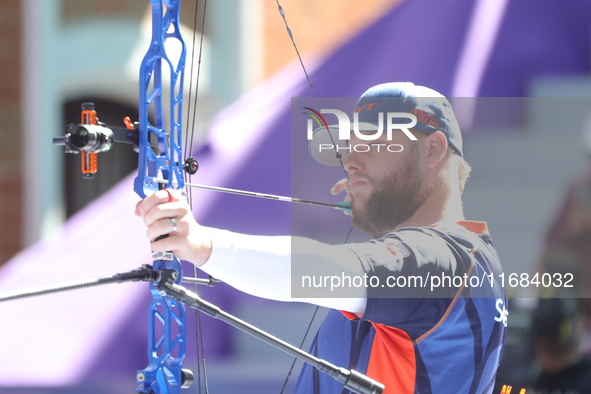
x=352, y=162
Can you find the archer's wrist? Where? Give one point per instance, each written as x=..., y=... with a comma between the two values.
x=216, y=251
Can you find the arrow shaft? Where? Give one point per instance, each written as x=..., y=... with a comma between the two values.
x=267, y=196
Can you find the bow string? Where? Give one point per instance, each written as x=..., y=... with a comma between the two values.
x=340, y=160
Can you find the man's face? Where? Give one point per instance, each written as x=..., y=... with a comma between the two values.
x=386, y=187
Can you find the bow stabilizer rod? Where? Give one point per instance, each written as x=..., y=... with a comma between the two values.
x=143, y=274
x=351, y=379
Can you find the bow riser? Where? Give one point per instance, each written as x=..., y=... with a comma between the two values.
x=158, y=170
x=167, y=164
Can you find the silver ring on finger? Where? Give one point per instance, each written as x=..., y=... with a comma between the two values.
x=174, y=227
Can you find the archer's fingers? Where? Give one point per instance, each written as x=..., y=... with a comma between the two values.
x=166, y=226
x=158, y=198
x=178, y=210
x=340, y=186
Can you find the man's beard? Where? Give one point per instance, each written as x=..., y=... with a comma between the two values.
x=394, y=200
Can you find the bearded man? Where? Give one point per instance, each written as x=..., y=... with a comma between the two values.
x=431, y=314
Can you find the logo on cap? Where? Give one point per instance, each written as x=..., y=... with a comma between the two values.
x=365, y=107
x=425, y=118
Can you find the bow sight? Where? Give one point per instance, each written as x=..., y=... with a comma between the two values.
x=91, y=137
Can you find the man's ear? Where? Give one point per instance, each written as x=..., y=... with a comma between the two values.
x=436, y=144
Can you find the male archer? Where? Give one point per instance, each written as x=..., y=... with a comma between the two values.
x=442, y=331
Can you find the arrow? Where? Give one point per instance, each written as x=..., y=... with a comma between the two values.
x=344, y=206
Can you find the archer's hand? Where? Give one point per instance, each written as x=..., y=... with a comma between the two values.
x=340, y=186
x=190, y=241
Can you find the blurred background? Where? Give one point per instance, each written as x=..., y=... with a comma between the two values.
x=517, y=72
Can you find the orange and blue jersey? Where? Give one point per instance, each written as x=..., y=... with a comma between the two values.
x=421, y=338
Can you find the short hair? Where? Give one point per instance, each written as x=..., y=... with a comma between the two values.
x=461, y=164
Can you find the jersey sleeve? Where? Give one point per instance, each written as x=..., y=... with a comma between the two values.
x=277, y=268
x=405, y=271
